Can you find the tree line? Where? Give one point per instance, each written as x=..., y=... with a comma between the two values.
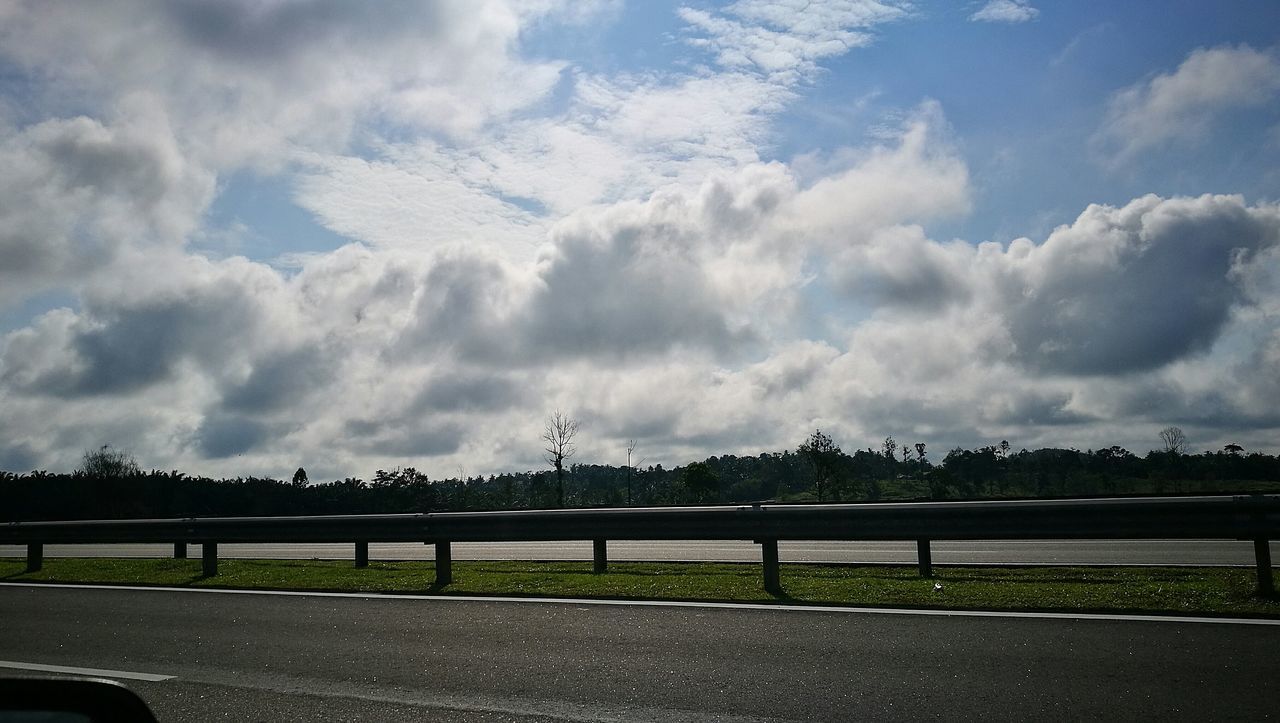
x=110, y=484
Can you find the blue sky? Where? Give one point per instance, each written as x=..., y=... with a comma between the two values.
x=243, y=237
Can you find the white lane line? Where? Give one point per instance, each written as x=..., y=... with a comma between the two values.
x=96, y=672
x=678, y=604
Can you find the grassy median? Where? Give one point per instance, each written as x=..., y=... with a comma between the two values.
x=1181, y=590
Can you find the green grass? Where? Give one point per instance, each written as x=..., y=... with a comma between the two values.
x=1183, y=590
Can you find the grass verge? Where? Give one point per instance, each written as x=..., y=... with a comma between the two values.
x=1179, y=590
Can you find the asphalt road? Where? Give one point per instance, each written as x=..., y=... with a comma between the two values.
x=1080, y=552
x=270, y=657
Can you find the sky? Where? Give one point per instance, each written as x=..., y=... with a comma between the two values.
x=241, y=237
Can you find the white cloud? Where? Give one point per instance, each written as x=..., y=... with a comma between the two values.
x=418, y=203
x=1005, y=11
x=1133, y=288
x=1182, y=106
x=637, y=320
x=917, y=176
x=610, y=244
x=787, y=39
x=76, y=191
x=620, y=137
x=657, y=291
x=245, y=81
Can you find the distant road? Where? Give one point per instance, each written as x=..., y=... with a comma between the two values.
x=1077, y=552
x=302, y=657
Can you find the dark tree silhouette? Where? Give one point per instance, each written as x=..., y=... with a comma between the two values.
x=558, y=436
x=822, y=454
x=300, y=477
x=108, y=463
x=1174, y=440
x=889, y=447
x=700, y=482
x=785, y=476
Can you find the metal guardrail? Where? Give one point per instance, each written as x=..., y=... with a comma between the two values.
x=1255, y=517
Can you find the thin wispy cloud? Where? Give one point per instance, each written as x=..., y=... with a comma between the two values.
x=1182, y=106
x=1005, y=11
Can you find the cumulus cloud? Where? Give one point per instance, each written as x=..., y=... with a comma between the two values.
x=1120, y=290
x=126, y=340
x=458, y=355
x=916, y=176
x=1133, y=288
x=1182, y=106
x=902, y=268
x=246, y=80
x=75, y=191
x=531, y=235
x=1005, y=11
x=409, y=352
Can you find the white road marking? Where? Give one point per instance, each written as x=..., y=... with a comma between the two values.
x=680, y=604
x=95, y=672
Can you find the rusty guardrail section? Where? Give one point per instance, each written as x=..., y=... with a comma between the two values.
x=1255, y=517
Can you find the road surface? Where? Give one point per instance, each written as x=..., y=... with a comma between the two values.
x=1079, y=552
x=306, y=657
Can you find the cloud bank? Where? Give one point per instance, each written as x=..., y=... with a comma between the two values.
x=525, y=234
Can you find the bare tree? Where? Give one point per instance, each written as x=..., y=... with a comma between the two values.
x=108, y=463
x=1174, y=440
x=631, y=448
x=558, y=436
x=920, y=456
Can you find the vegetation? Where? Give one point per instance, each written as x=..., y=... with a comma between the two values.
x=108, y=463
x=1154, y=589
x=558, y=436
x=110, y=485
x=823, y=456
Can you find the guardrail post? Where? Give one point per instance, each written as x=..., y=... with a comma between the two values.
x=599, y=556
x=925, y=557
x=179, y=550
x=444, y=563
x=362, y=554
x=769, y=553
x=35, y=556
x=209, y=559
x=1262, y=554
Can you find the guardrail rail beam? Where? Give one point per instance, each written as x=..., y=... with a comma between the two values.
x=1219, y=517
